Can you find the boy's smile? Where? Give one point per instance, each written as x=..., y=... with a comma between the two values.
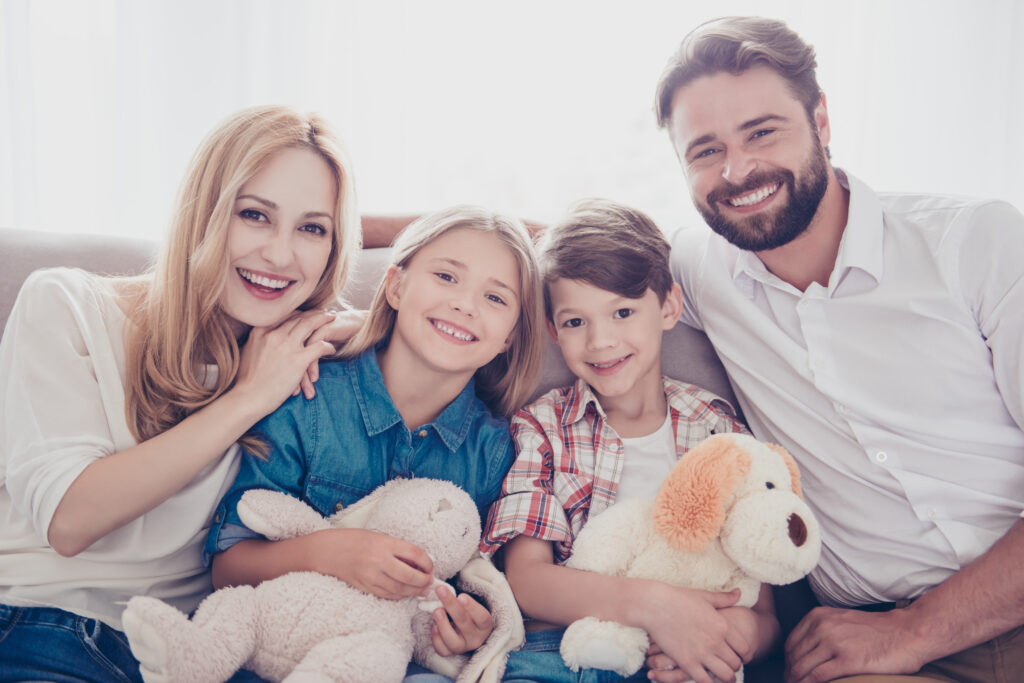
x=610, y=341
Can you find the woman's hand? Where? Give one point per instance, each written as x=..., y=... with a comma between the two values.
x=461, y=625
x=338, y=330
x=274, y=361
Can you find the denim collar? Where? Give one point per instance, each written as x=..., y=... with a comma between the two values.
x=380, y=414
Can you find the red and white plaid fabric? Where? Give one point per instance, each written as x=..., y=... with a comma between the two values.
x=569, y=461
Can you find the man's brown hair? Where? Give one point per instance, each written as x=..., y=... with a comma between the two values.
x=609, y=246
x=733, y=45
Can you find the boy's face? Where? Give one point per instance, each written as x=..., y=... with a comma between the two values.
x=611, y=342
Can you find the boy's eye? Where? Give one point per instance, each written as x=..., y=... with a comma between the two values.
x=623, y=313
x=496, y=299
x=573, y=322
x=447, y=277
x=314, y=228
x=253, y=215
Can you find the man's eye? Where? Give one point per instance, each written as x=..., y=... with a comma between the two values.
x=704, y=153
x=623, y=313
x=253, y=215
x=573, y=322
x=762, y=132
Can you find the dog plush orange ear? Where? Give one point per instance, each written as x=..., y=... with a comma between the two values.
x=794, y=472
x=689, y=509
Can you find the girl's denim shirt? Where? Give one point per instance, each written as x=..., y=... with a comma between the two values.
x=337, y=447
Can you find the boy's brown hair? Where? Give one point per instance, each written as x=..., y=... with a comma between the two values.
x=607, y=245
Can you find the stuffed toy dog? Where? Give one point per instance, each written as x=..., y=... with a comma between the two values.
x=729, y=515
x=305, y=626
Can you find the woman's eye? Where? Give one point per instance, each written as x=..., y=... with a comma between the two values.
x=623, y=313
x=573, y=322
x=447, y=277
x=314, y=228
x=253, y=215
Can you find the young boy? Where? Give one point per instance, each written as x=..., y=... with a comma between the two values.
x=614, y=434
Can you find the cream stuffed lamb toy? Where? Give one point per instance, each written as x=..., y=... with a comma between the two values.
x=305, y=626
x=729, y=515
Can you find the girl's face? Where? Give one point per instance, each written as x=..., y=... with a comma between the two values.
x=458, y=302
x=279, y=238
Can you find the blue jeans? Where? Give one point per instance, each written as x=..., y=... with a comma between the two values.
x=49, y=644
x=539, y=661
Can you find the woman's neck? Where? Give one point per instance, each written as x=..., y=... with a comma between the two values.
x=420, y=393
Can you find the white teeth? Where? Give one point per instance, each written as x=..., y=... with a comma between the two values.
x=753, y=197
x=263, y=281
x=605, y=366
x=458, y=334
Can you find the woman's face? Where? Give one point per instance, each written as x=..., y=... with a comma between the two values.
x=279, y=238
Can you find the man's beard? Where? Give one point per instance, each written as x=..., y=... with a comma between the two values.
x=769, y=230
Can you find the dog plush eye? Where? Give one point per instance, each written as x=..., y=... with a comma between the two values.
x=769, y=485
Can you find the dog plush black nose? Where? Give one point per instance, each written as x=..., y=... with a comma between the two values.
x=797, y=530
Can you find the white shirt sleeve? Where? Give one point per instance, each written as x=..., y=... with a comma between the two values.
x=688, y=251
x=61, y=389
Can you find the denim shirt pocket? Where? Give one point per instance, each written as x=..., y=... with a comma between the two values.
x=329, y=496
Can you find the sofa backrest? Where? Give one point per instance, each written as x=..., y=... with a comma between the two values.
x=686, y=353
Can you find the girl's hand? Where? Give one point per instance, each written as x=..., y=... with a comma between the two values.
x=274, y=361
x=461, y=625
x=692, y=639
x=340, y=328
x=373, y=562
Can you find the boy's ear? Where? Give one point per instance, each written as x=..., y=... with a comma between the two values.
x=392, y=283
x=672, y=308
x=550, y=327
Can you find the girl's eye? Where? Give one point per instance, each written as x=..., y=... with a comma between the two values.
x=623, y=313
x=496, y=299
x=447, y=277
x=253, y=215
x=314, y=228
x=573, y=322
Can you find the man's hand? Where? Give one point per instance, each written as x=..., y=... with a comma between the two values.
x=830, y=643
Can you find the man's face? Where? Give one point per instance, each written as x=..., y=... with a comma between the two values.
x=755, y=165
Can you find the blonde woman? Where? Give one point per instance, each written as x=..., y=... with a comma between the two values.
x=123, y=400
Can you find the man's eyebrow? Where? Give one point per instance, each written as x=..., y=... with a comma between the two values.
x=754, y=123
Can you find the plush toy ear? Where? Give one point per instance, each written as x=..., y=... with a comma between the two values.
x=794, y=471
x=690, y=507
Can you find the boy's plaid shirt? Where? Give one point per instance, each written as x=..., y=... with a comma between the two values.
x=569, y=461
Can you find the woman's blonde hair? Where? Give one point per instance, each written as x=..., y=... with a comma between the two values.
x=506, y=382
x=177, y=325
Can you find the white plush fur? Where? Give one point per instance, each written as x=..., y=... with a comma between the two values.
x=306, y=626
x=752, y=545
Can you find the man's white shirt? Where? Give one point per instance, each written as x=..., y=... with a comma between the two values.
x=898, y=387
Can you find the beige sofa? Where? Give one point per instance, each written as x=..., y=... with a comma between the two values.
x=687, y=354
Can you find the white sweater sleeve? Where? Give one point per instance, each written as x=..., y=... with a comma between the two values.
x=61, y=388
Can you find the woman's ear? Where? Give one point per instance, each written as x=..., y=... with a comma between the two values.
x=392, y=285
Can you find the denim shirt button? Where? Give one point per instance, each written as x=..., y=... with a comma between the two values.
x=339, y=507
x=423, y=433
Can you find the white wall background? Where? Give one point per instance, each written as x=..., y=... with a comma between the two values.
x=522, y=106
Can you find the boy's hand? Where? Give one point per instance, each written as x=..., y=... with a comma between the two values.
x=691, y=638
x=461, y=625
x=373, y=562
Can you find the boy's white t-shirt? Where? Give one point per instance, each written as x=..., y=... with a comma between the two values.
x=647, y=461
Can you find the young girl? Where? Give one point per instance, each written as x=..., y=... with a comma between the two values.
x=450, y=350
x=121, y=399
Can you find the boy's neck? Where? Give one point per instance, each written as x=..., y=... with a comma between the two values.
x=419, y=393
x=638, y=413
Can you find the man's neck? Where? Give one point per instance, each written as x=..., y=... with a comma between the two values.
x=812, y=256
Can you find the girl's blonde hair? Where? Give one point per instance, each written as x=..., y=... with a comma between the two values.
x=504, y=384
x=177, y=324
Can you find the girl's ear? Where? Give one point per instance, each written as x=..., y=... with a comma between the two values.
x=672, y=308
x=392, y=285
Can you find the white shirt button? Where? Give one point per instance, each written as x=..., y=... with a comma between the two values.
x=881, y=456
